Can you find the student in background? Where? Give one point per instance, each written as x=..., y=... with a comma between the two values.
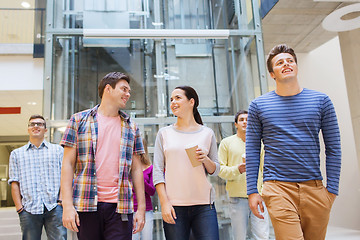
x=146, y=233
x=34, y=176
x=232, y=169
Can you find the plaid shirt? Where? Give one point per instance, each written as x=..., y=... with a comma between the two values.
x=82, y=133
x=37, y=170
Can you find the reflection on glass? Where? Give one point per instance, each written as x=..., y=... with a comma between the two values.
x=225, y=79
x=140, y=14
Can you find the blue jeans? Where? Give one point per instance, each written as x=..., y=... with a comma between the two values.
x=200, y=219
x=32, y=224
x=147, y=232
x=244, y=223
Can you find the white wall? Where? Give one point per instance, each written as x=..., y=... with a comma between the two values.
x=21, y=85
x=21, y=72
x=322, y=70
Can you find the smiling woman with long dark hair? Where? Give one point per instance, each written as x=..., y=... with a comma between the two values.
x=186, y=196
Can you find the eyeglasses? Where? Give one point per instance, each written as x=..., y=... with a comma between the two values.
x=39, y=124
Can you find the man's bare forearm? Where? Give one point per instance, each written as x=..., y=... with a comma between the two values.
x=16, y=195
x=138, y=180
x=67, y=176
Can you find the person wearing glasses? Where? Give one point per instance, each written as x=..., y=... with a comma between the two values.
x=34, y=176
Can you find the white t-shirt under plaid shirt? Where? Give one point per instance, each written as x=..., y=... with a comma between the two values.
x=38, y=172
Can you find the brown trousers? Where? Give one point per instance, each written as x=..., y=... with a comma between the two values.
x=298, y=210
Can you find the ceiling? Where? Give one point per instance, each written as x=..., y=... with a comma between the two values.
x=298, y=24
x=16, y=3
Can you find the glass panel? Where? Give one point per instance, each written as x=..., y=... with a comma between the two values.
x=174, y=14
x=79, y=69
x=244, y=71
x=188, y=14
x=225, y=80
x=247, y=14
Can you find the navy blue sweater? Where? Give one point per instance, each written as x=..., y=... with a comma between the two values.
x=289, y=128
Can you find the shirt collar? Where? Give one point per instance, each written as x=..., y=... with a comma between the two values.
x=122, y=114
x=94, y=110
x=43, y=144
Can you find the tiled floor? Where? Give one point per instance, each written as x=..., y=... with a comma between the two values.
x=10, y=225
x=336, y=233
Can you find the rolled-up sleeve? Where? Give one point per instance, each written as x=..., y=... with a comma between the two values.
x=69, y=138
x=13, y=168
x=138, y=144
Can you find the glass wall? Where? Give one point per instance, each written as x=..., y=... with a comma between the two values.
x=227, y=72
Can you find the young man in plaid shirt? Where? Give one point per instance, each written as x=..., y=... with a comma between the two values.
x=102, y=148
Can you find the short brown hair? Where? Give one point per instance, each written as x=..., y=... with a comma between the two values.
x=239, y=113
x=112, y=79
x=35, y=116
x=281, y=48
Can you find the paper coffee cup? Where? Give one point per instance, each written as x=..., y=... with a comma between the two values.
x=191, y=152
x=244, y=157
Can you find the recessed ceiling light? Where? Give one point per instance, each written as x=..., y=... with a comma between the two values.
x=25, y=4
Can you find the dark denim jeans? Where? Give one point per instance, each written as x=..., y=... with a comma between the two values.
x=32, y=224
x=200, y=219
x=105, y=224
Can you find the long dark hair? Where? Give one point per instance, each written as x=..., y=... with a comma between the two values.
x=190, y=93
x=145, y=159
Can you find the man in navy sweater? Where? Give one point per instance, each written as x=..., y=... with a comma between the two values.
x=288, y=121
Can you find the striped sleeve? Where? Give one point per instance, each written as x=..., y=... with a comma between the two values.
x=253, y=148
x=331, y=136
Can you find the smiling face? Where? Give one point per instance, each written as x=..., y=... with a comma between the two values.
x=120, y=94
x=284, y=67
x=180, y=104
x=36, y=128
